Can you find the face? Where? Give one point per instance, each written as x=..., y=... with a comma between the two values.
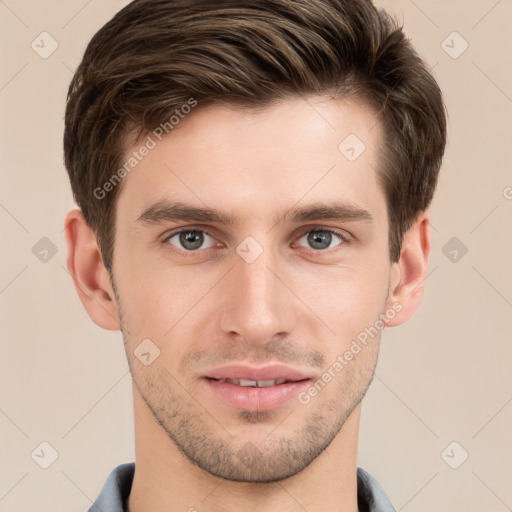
x=252, y=249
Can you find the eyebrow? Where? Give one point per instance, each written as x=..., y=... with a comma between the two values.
x=164, y=211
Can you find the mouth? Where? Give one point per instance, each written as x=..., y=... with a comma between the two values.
x=246, y=383
x=256, y=389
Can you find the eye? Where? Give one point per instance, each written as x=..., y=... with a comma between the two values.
x=321, y=239
x=190, y=239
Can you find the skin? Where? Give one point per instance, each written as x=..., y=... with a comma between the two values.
x=295, y=304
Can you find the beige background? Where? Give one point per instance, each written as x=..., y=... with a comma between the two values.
x=443, y=377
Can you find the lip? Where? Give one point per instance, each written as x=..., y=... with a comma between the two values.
x=255, y=398
x=268, y=372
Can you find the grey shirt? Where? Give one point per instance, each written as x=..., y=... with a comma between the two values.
x=370, y=495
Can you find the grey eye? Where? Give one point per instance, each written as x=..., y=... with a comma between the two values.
x=190, y=239
x=321, y=239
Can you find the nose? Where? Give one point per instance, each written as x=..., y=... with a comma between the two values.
x=257, y=304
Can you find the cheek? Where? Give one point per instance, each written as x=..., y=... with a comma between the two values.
x=348, y=297
x=171, y=306
x=147, y=303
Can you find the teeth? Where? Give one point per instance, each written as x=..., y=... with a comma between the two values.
x=254, y=383
x=244, y=382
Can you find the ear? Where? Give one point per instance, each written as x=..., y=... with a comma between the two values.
x=407, y=280
x=91, y=278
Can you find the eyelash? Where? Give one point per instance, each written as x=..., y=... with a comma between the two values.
x=342, y=235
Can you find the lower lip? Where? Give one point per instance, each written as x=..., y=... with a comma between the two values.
x=256, y=399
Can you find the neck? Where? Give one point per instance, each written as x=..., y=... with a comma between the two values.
x=166, y=480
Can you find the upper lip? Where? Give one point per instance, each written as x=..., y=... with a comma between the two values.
x=268, y=372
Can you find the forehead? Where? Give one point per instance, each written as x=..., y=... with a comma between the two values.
x=305, y=149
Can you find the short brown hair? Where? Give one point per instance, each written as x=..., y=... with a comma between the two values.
x=155, y=55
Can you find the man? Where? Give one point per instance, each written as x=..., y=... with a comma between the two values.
x=253, y=180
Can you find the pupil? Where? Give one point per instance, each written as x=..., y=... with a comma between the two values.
x=191, y=239
x=319, y=239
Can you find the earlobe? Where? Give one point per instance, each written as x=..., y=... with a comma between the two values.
x=91, y=278
x=409, y=273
